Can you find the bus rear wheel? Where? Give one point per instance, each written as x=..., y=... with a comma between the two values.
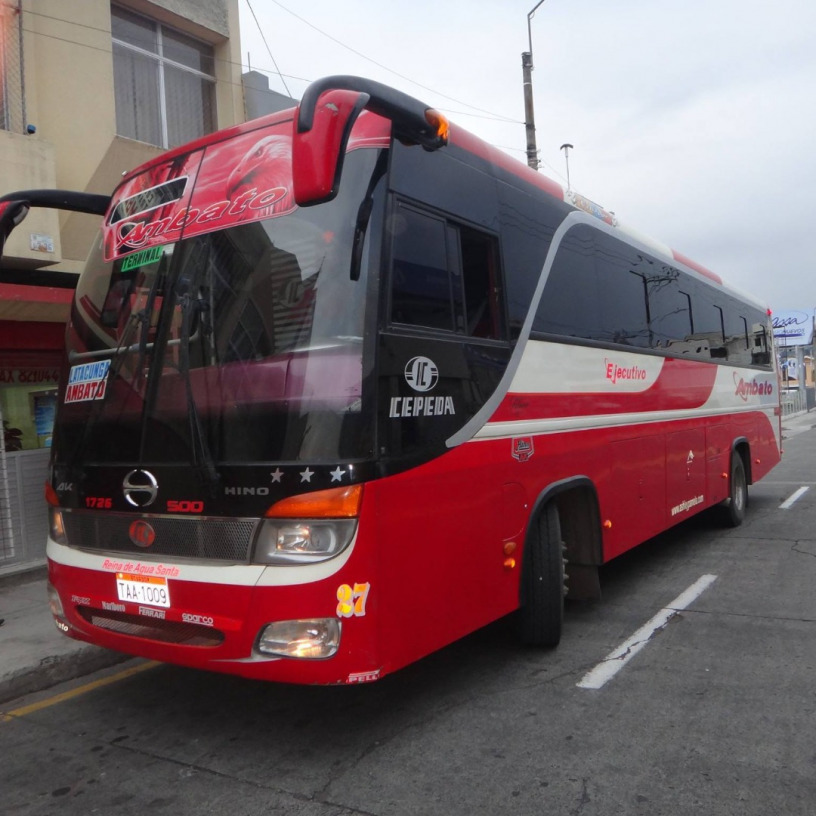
x=733, y=509
x=543, y=578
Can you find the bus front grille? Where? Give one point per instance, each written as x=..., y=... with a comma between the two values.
x=212, y=539
x=187, y=634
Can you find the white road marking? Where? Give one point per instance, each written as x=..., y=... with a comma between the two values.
x=793, y=497
x=617, y=659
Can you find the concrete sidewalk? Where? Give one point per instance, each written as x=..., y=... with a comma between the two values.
x=34, y=655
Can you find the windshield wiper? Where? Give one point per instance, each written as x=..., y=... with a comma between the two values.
x=194, y=310
x=363, y=216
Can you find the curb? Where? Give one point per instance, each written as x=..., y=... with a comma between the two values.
x=51, y=671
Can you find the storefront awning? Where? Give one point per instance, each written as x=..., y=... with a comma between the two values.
x=38, y=303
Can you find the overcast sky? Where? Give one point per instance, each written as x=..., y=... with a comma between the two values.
x=693, y=120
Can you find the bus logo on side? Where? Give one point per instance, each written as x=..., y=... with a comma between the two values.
x=421, y=373
x=523, y=448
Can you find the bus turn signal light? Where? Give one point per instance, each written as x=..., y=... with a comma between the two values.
x=440, y=124
x=337, y=502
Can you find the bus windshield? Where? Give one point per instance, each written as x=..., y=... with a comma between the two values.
x=241, y=345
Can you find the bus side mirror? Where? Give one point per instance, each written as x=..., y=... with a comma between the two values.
x=12, y=213
x=319, y=144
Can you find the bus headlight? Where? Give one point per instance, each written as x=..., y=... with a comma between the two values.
x=57, y=525
x=299, y=541
x=306, y=639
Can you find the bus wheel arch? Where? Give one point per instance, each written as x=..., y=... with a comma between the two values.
x=562, y=552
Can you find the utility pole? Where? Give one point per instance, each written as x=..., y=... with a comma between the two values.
x=566, y=147
x=527, y=75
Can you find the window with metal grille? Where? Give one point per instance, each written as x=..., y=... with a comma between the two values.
x=164, y=81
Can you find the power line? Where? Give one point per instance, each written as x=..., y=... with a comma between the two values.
x=268, y=49
x=391, y=70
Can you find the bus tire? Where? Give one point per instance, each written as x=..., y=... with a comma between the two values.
x=734, y=506
x=541, y=612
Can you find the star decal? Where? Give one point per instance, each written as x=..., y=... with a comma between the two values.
x=306, y=475
x=276, y=475
x=337, y=475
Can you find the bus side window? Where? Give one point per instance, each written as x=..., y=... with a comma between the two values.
x=445, y=276
x=479, y=259
x=420, y=280
x=759, y=353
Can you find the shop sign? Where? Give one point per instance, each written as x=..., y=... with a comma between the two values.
x=793, y=328
x=29, y=376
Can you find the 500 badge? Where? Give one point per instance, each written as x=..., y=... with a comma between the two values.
x=351, y=601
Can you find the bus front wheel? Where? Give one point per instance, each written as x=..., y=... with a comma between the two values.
x=541, y=614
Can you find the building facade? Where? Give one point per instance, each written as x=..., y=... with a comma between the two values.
x=88, y=90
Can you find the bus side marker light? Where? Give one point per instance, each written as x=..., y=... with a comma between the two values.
x=607, y=525
x=509, y=563
x=509, y=547
x=757, y=461
x=313, y=639
x=724, y=475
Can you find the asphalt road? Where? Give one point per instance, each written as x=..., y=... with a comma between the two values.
x=714, y=715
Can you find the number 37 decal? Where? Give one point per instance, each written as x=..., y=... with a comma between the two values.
x=351, y=601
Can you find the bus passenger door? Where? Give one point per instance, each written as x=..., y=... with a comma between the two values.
x=685, y=473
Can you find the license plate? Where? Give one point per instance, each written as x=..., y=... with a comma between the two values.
x=143, y=589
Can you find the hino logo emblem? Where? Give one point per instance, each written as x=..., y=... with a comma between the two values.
x=140, y=488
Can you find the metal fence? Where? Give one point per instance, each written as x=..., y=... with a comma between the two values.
x=12, y=79
x=793, y=402
x=23, y=510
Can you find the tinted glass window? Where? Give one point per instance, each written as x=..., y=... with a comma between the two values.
x=420, y=282
x=596, y=290
x=760, y=354
x=480, y=274
x=445, y=276
x=622, y=279
x=707, y=322
x=736, y=334
x=603, y=290
x=569, y=305
x=669, y=309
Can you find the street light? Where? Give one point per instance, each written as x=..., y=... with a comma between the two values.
x=527, y=74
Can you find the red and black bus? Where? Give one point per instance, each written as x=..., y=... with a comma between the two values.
x=345, y=383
